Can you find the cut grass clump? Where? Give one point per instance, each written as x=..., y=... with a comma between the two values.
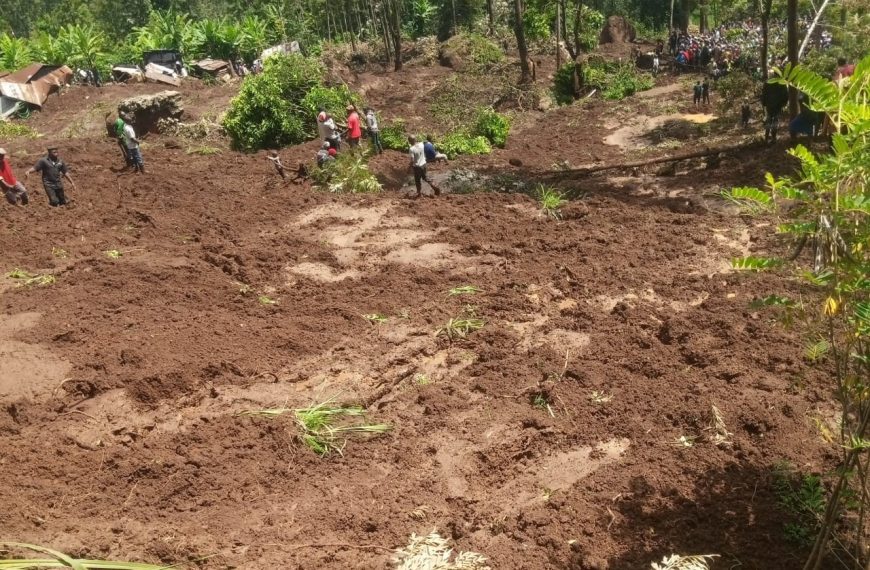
x=464, y=290
x=460, y=327
x=9, y=130
x=375, y=318
x=25, y=279
x=551, y=201
x=325, y=428
x=113, y=253
x=61, y=560
x=204, y=150
x=266, y=300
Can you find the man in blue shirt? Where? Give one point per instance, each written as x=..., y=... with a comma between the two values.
x=432, y=155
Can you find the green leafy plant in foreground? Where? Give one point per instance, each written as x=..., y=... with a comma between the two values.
x=460, y=142
x=551, y=201
x=394, y=136
x=347, y=174
x=826, y=206
x=324, y=428
x=60, y=560
x=493, y=126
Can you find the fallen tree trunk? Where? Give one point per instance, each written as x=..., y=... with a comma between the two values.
x=650, y=161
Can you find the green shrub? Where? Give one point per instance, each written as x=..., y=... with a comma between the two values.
x=348, y=173
x=394, y=136
x=492, y=125
x=274, y=108
x=613, y=80
x=734, y=87
x=334, y=99
x=460, y=142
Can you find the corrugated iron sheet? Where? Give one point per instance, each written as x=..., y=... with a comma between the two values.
x=35, y=83
x=211, y=64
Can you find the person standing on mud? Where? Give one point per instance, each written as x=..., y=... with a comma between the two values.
x=374, y=131
x=132, y=144
x=418, y=165
x=697, y=91
x=53, y=171
x=774, y=98
x=13, y=189
x=705, y=91
x=116, y=129
x=354, y=130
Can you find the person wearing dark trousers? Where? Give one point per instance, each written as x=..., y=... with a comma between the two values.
x=705, y=92
x=697, y=90
x=118, y=130
x=774, y=98
x=133, y=149
x=53, y=171
x=418, y=164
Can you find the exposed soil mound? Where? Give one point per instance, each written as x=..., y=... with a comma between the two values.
x=617, y=30
x=146, y=111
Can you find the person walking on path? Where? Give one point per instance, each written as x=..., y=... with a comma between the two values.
x=133, y=148
x=53, y=171
x=705, y=91
x=374, y=131
x=697, y=91
x=354, y=130
x=418, y=164
x=13, y=189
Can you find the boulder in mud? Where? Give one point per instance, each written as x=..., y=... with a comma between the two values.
x=617, y=30
x=146, y=111
x=449, y=58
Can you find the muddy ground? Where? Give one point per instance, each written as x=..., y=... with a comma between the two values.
x=120, y=382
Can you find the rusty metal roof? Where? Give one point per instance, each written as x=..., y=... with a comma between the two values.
x=35, y=83
x=211, y=64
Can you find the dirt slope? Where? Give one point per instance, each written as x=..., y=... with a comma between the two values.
x=122, y=442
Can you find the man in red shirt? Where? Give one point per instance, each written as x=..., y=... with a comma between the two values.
x=13, y=189
x=354, y=130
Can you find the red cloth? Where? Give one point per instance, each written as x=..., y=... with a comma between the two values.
x=844, y=71
x=6, y=173
x=332, y=152
x=353, y=128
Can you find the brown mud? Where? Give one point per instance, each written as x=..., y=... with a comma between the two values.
x=622, y=322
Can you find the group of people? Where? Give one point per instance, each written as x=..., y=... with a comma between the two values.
x=53, y=170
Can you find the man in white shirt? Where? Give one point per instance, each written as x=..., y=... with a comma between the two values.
x=418, y=164
x=374, y=131
x=133, y=148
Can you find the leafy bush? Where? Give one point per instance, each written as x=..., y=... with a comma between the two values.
x=394, y=136
x=460, y=142
x=614, y=80
x=492, y=125
x=278, y=106
x=625, y=82
x=348, y=173
x=333, y=99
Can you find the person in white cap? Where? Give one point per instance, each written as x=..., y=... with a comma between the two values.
x=13, y=189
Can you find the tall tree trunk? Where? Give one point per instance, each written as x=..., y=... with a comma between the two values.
x=703, y=24
x=766, y=6
x=396, y=33
x=672, y=15
x=558, y=36
x=520, y=33
x=685, y=16
x=578, y=28
x=792, y=54
x=385, y=18
x=490, y=17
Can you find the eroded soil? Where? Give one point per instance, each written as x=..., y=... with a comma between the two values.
x=119, y=383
